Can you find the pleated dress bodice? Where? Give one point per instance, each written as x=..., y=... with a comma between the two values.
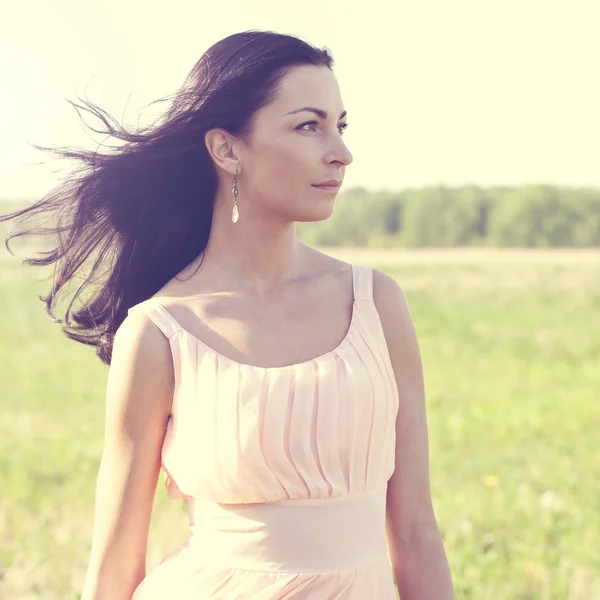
x=323, y=428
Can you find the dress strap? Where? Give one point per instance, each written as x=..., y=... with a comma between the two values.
x=362, y=282
x=159, y=315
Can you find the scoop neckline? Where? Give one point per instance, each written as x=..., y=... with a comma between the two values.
x=335, y=350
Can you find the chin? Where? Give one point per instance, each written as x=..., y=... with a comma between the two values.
x=315, y=216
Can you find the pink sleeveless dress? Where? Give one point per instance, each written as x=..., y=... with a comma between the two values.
x=283, y=470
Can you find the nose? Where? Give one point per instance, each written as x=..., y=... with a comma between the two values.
x=342, y=155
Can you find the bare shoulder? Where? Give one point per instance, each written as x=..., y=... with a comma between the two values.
x=388, y=295
x=396, y=321
x=142, y=353
x=139, y=336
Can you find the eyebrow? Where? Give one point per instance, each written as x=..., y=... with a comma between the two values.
x=318, y=111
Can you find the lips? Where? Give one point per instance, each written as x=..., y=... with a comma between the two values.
x=327, y=188
x=332, y=185
x=331, y=182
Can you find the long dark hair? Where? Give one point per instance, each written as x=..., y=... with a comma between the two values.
x=140, y=212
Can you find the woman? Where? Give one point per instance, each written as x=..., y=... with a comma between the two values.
x=279, y=389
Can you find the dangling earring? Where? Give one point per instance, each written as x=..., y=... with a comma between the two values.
x=235, y=215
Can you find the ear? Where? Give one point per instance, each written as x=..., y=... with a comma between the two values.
x=222, y=148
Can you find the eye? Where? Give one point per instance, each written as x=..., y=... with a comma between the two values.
x=341, y=126
x=305, y=124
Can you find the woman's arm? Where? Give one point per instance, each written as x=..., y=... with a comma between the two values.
x=415, y=545
x=138, y=403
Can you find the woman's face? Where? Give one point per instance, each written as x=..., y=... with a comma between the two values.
x=291, y=150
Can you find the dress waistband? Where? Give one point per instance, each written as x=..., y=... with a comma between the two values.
x=308, y=535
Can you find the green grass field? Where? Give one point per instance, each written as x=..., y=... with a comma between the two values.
x=511, y=349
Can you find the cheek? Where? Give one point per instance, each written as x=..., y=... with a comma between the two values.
x=283, y=165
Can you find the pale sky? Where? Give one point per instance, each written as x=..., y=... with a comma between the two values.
x=437, y=91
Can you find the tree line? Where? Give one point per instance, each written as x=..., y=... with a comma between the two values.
x=521, y=216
